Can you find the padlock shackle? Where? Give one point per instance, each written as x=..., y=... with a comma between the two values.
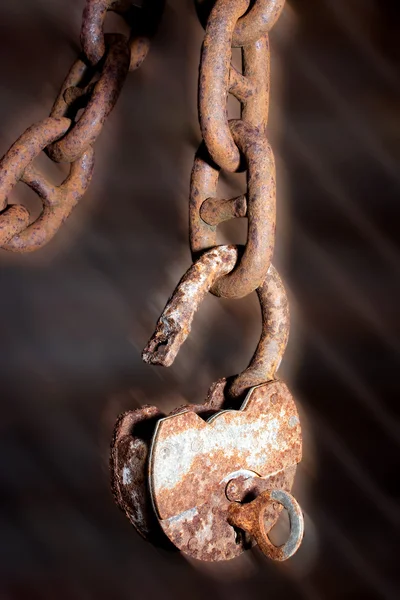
x=174, y=325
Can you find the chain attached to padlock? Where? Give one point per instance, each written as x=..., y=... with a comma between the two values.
x=214, y=477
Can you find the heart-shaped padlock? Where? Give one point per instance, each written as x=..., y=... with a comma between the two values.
x=198, y=468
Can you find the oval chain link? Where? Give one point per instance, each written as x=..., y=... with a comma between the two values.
x=94, y=84
x=254, y=262
x=100, y=99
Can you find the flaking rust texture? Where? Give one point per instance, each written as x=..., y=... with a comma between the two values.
x=58, y=203
x=275, y=318
x=214, y=82
x=257, y=21
x=100, y=101
x=130, y=450
x=250, y=517
x=16, y=234
x=129, y=459
x=143, y=22
x=255, y=259
x=192, y=461
x=25, y=150
x=175, y=323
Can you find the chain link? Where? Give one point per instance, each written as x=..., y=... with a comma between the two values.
x=255, y=259
x=232, y=271
x=93, y=84
x=225, y=143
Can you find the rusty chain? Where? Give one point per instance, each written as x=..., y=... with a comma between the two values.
x=94, y=84
x=199, y=500
x=232, y=271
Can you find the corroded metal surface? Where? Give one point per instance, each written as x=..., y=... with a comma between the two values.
x=16, y=234
x=217, y=77
x=256, y=73
x=275, y=318
x=192, y=462
x=257, y=22
x=129, y=459
x=100, y=102
x=260, y=19
x=13, y=220
x=214, y=82
x=143, y=23
x=25, y=150
x=58, y=203
x=214, y=211
x=225, y=143
x=250, y=518
x=70, y=139
x=174, y=325
x=129, y=467
x=252, y=268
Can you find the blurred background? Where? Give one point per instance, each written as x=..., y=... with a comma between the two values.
x=76, y=314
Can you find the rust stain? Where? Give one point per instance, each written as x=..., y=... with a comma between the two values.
x=214, y=211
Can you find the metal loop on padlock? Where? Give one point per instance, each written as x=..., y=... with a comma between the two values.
x=250, y=517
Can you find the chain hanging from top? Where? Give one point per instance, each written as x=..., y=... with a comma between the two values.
x=94, y=84
x=232, y=272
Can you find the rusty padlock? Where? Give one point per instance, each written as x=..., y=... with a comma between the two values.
x=214, y=477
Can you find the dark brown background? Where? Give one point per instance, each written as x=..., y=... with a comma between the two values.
x=75, y=316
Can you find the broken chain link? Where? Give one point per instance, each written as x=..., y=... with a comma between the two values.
x=93, y=84
x=232, y=271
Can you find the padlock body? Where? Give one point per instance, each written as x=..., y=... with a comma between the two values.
x=193, y=461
